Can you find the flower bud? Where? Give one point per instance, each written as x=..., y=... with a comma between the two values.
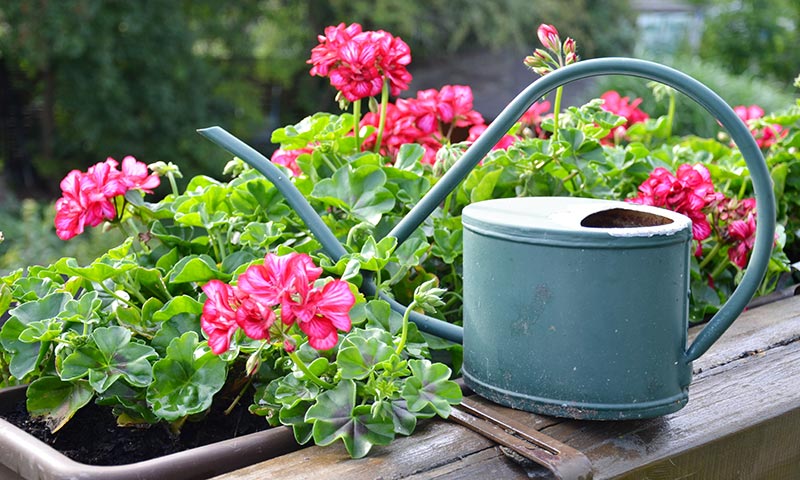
x=548, y=36
x=571, y=58
x=569, y=46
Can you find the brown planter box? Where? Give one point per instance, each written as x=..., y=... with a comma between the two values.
x=23, y=456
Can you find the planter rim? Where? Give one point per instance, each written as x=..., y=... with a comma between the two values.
x=31, y=458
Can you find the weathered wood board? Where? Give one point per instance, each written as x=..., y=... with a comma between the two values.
x=742, y=422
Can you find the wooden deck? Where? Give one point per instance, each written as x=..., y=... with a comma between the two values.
x=742, y=422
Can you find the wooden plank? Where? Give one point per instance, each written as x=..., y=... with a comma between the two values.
x=745, y=391
x=725, y=402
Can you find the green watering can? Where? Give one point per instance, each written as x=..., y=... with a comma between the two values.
x=573, y=307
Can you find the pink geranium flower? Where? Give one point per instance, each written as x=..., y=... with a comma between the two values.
x=136, y=176
x=219, y=315
x=281, y=280
x=323, y=312
x=765, y=136
x=502, y=144
x=255, y=318
x=357, y=62
x=288, y=158
x=87, y=197
x=688, y=192
x=615, y=103
x=743, y=235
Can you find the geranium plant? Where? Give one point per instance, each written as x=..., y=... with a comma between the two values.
x=223, y=288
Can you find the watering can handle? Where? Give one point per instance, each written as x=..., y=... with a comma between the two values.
x=762, y=183
x=765, y=205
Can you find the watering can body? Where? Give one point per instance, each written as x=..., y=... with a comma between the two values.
x=570, y=319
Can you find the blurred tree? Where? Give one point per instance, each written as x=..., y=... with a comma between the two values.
x=87, y=79
x=759, y=37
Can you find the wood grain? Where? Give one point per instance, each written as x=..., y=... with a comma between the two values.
x=742, y=421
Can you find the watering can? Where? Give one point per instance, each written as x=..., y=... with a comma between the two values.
x=573, y=307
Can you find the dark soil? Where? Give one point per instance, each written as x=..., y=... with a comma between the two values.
x=93, y=437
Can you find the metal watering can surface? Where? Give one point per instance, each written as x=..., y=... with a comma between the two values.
x=573, y=307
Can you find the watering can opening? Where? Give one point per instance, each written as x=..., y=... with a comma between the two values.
x=624, y=218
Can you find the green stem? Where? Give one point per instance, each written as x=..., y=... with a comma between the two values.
x=308, y=373
x=670, y=113
x=446, y=207
x=710, y=256
x=114, y=294
x=720, y=268
x=556, y=111
x=382, y=121
x=357, y=123
x=239, y=396
x=404, y=332
x=173, y=184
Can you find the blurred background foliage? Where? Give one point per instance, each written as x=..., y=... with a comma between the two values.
x=82, y=80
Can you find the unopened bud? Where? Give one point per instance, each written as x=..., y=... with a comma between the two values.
x=569, y=46
x=548, y=36
x=571, y=58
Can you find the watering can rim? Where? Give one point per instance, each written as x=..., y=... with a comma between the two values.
x=553, y=215
x=740, y=134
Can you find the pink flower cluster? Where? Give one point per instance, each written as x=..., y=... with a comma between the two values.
x=618, y=105
x=765, y=136
x=87, y=197
x=357, y=62
x=430, y=120
x=286, y=282
x=689, y=192
x=740, y=217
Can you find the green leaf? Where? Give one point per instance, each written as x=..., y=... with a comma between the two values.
x=178, y=316
x=294, y=417
x=429, y=386
x=197, y=268
x=108, y=356
x=403, y=420
x=185, y=381
x=360, y=192
x=291, y=390
x=41, y=331
x=128, y=401
x=335, y=416
x=359, y=359
x=447, y=244
x=57, y=401
x=26, y=355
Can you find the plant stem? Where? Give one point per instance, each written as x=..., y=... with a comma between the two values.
x=719, y=268
x=404, y=331
x=710, y=256
x=239, y=396
x=556, y=110
x=382, y=121
x=173, y=184
x=357, y=123
x=670, y=113
x=308, y=373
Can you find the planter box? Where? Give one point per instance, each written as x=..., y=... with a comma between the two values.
x=23, y=456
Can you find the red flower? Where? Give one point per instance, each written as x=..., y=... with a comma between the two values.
x=255, y=318
x=323, y=311
x=765, y=136
x=743, y=234
x=325, y=55
x=454, y=106
x=135, y=176
x=622, y=106
x=83, y=202
x=288, y=158
x=219, y=315
x=688, y=193
x=357, y=62
x=281, y=280
x=502, y=144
